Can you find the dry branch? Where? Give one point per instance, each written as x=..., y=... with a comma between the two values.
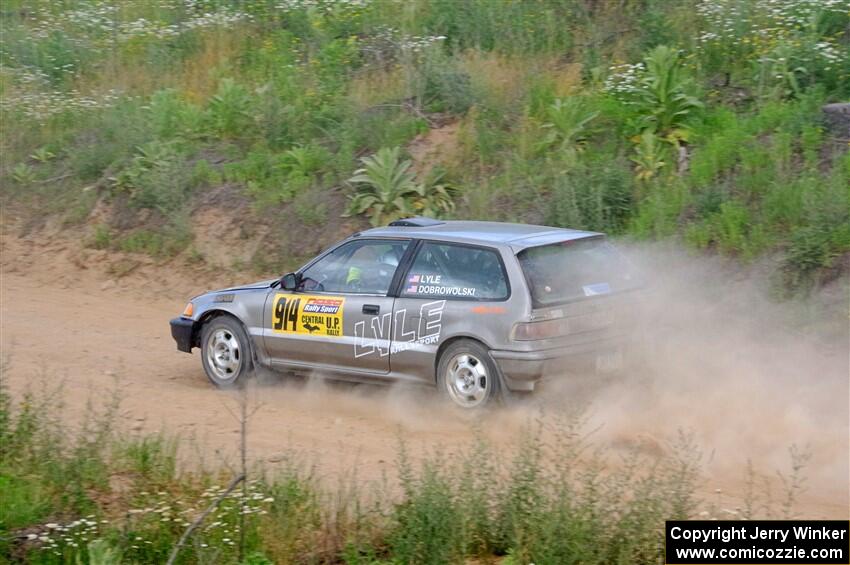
x=199, y=520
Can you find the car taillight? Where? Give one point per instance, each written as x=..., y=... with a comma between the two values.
x=539, y=330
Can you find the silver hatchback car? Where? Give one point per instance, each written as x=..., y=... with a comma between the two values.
x=477, y=309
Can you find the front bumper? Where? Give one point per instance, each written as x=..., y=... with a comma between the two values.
x=183, y=332
x=522, y=369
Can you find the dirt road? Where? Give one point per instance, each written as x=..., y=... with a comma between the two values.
x=65, y=319
x=95, y=334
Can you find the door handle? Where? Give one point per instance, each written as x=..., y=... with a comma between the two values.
x=371, y=309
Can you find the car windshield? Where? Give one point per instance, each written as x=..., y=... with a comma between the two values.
x=574, y=269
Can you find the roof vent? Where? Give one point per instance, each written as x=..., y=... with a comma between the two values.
x=416, y=222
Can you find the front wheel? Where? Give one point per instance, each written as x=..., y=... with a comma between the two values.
x=467, y=375
x=226, y=351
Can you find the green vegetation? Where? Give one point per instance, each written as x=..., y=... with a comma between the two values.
x=697, y=120
x=89, y=492
x=387, y=190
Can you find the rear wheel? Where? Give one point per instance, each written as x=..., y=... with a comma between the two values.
x=467, y=375
x=226, y=351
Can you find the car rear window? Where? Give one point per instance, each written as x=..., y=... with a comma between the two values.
x=456, y=271
x=574, y=269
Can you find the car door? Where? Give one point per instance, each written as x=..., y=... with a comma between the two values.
x=340, y=316
x=438, y=299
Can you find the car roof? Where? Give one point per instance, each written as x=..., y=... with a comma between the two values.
x=517, y=236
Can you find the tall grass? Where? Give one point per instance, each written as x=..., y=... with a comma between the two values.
x=79, y=491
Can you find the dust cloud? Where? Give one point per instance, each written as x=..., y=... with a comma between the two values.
x=747, y=376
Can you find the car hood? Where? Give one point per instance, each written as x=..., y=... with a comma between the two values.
x=252, y=286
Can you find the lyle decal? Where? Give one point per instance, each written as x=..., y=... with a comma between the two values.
x=408, y=332
x=305, y=314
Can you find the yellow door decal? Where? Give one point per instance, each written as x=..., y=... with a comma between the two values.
x=305, y=314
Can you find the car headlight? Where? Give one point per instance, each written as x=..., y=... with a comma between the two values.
x=188, y=310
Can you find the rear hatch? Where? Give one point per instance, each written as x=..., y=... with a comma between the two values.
x=581, y=292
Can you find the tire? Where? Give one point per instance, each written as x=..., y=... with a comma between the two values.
x=225, y=352
x=468, y=376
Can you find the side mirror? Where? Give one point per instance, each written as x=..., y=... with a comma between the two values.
x=290, y=281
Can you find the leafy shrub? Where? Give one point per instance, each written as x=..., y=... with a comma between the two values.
x=811, y=249
x=23, y=174
x=388, y=190
x=229, y=110
x=662, y=100
x=566, y=125
x=824, y=236
x=104, y=141
x=171, y=116
x=42, y=155
x=305, y=160
x=794, y=63
x=649, y=157
x=658, y=95
x=273, y=177
x=156, y=177
x=447, y=86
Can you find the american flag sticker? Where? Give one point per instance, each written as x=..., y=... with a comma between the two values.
x=413, y=279
x=411, y=288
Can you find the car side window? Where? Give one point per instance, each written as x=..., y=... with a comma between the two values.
x=357, y=267
x=456, y=271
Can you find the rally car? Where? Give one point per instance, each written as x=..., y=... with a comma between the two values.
x=477, y=309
